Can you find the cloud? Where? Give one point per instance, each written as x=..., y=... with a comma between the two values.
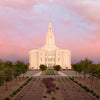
x=18, y=3
x=1, y=43
x=90, y=9
x=68, y=22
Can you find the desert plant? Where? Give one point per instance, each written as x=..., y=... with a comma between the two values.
x=6, y=98
x=57, y=88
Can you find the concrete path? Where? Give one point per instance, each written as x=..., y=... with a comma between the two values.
x=37, y=74
x=62, y=74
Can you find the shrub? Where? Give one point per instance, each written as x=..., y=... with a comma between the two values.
x=57, y=88
x=15, y=92
x=50, y=72
x=44, y=96
x=11, y=95
x=53, y=98
x=57, y=67
x=92, y=91
x=50, y=90
x=97, y=96
x=84, y=87
x=94, y=94
x=49, y=85
x=21, y=86
x=6, y=98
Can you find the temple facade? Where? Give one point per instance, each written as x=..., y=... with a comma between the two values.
x=50, y=55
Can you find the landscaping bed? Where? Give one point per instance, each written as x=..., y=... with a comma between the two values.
x=33, y=90
x=59, y=88
x=12, y=86
x=50, y=72
x=51, y=90
x=71, y=91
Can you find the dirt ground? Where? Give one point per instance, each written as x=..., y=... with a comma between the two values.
x=34, y=90
x=87, y=82
x=57, y=95
x=12, y=86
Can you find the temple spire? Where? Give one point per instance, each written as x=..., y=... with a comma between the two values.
x=50, y=26
x=49, y=16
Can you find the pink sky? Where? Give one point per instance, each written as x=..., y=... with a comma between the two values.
x=24, y=25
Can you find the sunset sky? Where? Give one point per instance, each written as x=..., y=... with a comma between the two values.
x=24, y=25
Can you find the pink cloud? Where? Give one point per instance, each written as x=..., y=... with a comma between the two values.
x=94, y=36
x=1, y=43
x=18, y=3
x=88, y=8
x=68, y=22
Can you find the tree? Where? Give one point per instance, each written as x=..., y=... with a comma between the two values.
x=43, y=67
x=92, y=71
x=16, y=73
x=8, y=64
x=2, y=78
x=8, y=76
x=21, y=66
x=57, y=67
x=85, y=63
x=98, y=71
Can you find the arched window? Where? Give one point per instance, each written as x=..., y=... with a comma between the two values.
x=50, y=40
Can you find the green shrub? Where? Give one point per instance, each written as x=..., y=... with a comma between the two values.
x=15, y=92
x=44, y=96
x=53, y=98
x=80, y=84
x=97, y=96
x=21, y=86
x=94, y=94
x=92, y=91
x=6, y=98
x=84, y=87
x=11, y=95
x=57, y=88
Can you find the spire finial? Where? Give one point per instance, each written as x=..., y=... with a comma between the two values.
x=50, y=26
x=50, y=16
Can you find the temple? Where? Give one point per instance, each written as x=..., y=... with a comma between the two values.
x=50, y=55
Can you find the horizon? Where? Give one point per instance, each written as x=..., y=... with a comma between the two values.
x=24, y=25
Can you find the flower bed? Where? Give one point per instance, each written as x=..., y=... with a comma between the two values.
x=51, y=90
x=50, y=72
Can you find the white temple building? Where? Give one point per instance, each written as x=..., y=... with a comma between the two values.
x=50, y=55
